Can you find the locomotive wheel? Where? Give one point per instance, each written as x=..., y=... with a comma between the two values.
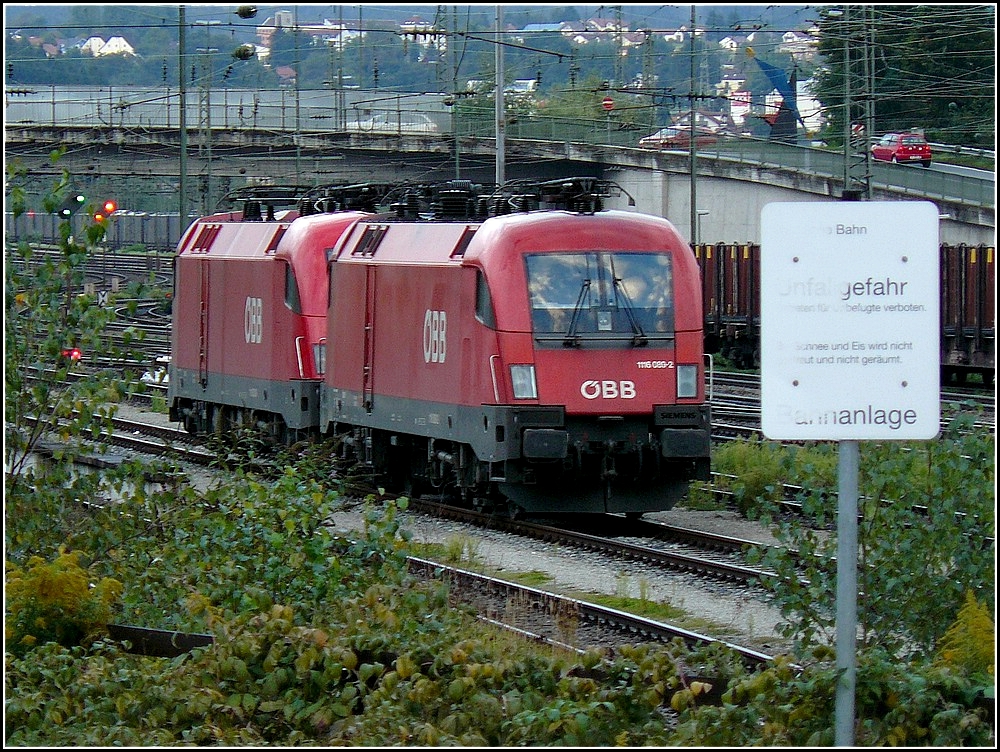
x=515, y=511
x=217, y=418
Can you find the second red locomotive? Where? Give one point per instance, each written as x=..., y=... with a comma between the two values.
x=249, y=312
x=518, y=345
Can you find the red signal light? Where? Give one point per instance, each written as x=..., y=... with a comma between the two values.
x=107, y=209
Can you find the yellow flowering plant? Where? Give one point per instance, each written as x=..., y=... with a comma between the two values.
x=55, y=602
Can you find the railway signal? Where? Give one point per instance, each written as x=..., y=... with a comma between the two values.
x=106, y=210
x=71, y=204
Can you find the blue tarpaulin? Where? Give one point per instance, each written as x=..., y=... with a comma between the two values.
x=779, y=81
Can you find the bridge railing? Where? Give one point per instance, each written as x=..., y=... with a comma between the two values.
x=908, y=179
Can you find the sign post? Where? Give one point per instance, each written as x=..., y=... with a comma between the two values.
x=849, y=352
x=608, y=104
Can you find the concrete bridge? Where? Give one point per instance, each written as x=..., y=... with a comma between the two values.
x=732, y=180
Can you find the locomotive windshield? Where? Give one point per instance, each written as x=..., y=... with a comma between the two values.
x=601, y=297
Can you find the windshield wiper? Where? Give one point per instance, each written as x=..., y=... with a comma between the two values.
x=572, y=339
x=638, y=335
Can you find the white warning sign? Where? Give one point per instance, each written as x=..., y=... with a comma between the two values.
x=850, y=320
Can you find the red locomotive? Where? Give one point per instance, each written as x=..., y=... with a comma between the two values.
x=553, y=356
x=249, y=312
x=518, y=345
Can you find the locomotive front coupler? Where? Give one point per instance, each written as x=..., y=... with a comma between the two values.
x=608, y=470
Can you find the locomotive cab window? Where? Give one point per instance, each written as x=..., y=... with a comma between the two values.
x=292, y=290
x=601, y=297
x=484, y=303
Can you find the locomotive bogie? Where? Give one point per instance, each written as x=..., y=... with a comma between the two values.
x=296, y=402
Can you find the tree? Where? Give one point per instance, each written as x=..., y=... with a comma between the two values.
x=51, y=394
x=934, y=68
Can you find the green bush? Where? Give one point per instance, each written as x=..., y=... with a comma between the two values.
x=927, y=509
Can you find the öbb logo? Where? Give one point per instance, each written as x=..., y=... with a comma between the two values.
x=435, y=336
x=608, y=389
x=253, y=321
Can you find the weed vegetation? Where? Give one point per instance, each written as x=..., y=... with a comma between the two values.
x=326, y=641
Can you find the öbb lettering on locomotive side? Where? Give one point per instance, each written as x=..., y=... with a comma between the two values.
x=517, y=346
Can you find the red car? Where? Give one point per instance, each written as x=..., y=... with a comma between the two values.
x=902, y=148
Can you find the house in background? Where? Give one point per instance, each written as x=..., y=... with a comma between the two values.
x=116, y=46
x=92, y=46
x=99, y=48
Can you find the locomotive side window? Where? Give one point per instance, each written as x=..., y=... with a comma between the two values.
x=292, y=290
x=484, y=303
x=601, y=296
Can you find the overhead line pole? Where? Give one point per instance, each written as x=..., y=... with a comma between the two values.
x=848, y=132
x=691, y=146
x=859, y=99
x=182, y=100
x=298, y=98
x=500, y=117
x=454, y=87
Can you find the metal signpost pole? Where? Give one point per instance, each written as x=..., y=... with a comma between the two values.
x=847, y=589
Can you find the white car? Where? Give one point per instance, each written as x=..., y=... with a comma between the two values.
x=397, y=122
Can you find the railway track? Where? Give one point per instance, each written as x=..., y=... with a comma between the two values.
x=556, y=619
x=539, y=614
x=694, y=559
x=690, y=552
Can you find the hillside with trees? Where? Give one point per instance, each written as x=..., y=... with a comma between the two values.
x=934, y=66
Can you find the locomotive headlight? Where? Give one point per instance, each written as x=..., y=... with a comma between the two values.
x=523, y=380
x=687, y=381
